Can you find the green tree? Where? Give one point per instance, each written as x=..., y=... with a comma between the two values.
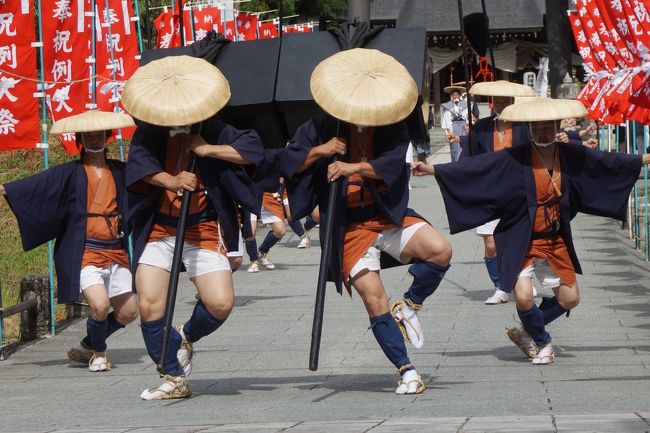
x=312, y=9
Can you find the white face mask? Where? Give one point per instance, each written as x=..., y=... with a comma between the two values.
x=100, y=150
x=543, y=144
x=179, y=130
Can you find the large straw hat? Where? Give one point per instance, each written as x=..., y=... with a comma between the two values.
x=501, y=88
x=92, y=120
x=543, y=109
x=524, y=99
x=175, y=91
x=456, y=86
x=365, y=87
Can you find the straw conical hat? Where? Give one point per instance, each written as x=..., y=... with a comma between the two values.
x=365, y=87
x=175, y=91
x=501, y=88
x=456, y=86
x=92, y=120
x=524, y=99
x=543, y=109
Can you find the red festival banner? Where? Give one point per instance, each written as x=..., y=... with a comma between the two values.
x=204, y=20
x=67, y=60
x=166, y=25
x=268, y=30
x=19, y=122
x=117, y=55
x=246, y=27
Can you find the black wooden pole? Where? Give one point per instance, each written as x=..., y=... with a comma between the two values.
x=181, y=25
x=494, y=67
x=176, y=268
x=325, y=253
x=470, y=100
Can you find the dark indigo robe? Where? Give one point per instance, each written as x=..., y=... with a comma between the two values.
x=574, y=136
x=502, y=185
x=483, y=137
x=310, y=188
x=227, y=184
x=52, y=205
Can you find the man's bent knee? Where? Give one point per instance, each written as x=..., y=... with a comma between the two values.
x=99, y=310
x=220, y=310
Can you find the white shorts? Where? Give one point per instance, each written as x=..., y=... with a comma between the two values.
x=116, y=278
x=544, y=273
x=197, y=261
x=393, y=242
x=267, y=217
x=240, y=248
x=487, y=229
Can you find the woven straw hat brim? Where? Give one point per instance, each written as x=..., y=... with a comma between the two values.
x=92, y=120
x=450, y=89
x=175, y=91
x=525, y=99
x=543, y=109
x=364, y=87
x=501, y=88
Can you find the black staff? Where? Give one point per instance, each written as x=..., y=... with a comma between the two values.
x=472, y=145
x=319, y=306
x=172, y=288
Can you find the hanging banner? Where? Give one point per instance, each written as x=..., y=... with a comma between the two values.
x=167, y=30
x=19, y=120
x=117, y=53
x=268, y=30
x=204, y=20
x=246, y=27
x=229, y=30
x=66, y=53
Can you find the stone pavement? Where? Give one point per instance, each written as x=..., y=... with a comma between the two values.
x=252, y=375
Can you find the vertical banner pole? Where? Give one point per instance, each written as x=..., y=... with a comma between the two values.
x=138, y=28
x=181, y=24
x=630, y=203
x=93, y=65
x=645, y=190
x=637, y=234
x=46, y=160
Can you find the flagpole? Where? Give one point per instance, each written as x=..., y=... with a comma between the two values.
x=46, y=160
x=181, y=24
x=136, y=19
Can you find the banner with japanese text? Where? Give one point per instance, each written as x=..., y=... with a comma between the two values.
x=67, y=60
x=19, y=118
x=203, y=20
x=268, y=30
x=117, y=54
x=246, y=27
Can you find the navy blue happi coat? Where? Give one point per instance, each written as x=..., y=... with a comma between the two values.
x=310, y=188
x=227, y=184
x=483, y=136
x=52, y=205
x=502, y=185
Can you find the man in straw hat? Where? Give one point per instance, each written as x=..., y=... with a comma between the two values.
x=177, y=98
x=536, y=190
x=82, y=204
x=366, y=95
x=455, y=119
x=492, y=134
